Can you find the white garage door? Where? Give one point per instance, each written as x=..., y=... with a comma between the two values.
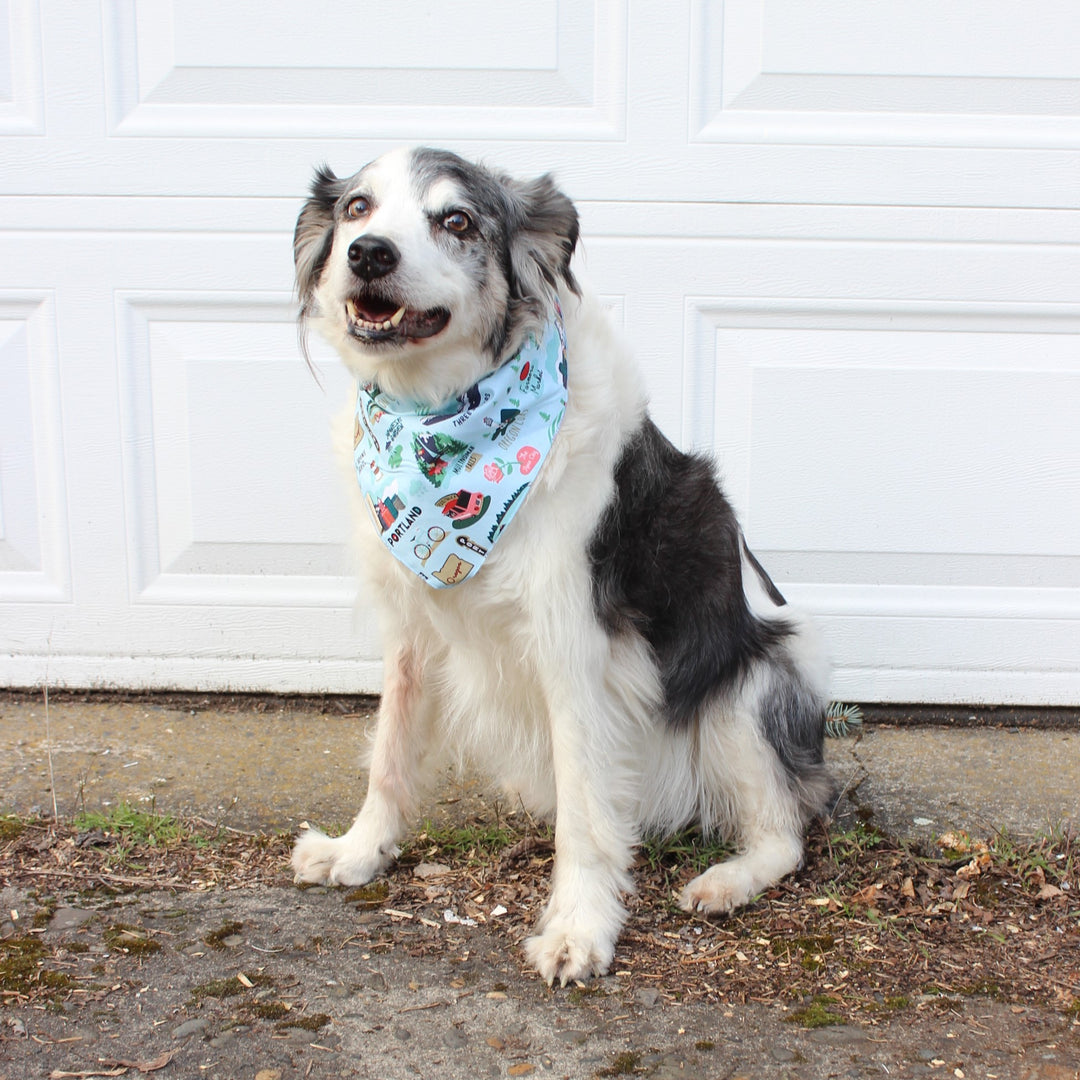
x=843, y=235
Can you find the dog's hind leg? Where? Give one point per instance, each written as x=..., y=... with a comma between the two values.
x=401, y=739
x=761, y=763
x=760, y=810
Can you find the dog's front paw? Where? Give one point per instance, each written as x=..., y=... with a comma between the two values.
x=326, y=860
x=564, y=951
x=720, y=889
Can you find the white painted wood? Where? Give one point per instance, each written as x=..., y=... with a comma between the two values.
x=844, y=238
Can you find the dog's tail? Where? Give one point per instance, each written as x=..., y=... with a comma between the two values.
x=792, y=709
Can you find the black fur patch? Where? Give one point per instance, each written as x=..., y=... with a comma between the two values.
x=530, y=227
x=793, y=722
x=666, y=563
x=313, y=237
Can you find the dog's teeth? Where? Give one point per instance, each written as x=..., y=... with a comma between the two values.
x=371, y=324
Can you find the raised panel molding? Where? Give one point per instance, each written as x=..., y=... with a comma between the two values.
x=854, y=73
x=35, y=560
x=22, y=104
x=222, y=423
x=819, y=372
x=561, y=75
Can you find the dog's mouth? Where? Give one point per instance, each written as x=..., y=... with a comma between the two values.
x=372, y=320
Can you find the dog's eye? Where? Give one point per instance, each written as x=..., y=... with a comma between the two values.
x=457, y=222
x=358, y=207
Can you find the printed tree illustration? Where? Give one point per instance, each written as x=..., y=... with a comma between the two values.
x=434, y=452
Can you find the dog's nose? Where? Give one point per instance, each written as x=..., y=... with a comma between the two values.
x=372, y=257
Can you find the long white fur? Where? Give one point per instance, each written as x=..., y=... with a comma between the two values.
x=513, y=670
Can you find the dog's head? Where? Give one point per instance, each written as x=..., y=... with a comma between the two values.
x=426, y=271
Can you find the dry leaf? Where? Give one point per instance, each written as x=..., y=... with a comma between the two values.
x=145, y=1066
x=951, y=841
x=520, y=1070
x=1049, y=892
x=908, y=889
x=430, y=870
x=974, y=868
x=868, y=895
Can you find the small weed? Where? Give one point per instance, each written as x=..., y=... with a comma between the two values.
x=687, y=849
x=817, y=1014
x=704, y=1044
x=475, y=843
x=132, y=825
x=851, y=845
x=1049, y=858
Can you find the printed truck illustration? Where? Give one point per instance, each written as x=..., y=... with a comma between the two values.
x=464, y=507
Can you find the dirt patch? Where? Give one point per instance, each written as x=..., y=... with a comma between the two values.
x=199, y=954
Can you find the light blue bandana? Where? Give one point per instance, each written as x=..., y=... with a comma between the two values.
x=442, y=484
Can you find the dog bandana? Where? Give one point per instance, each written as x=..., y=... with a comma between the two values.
x=442, y=484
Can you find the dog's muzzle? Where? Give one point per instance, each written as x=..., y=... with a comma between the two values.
x=373, y=320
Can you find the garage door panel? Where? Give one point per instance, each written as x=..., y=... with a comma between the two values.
x=556, y=69
x=34, y=543
x=974, y=468
x=918, y=75
x=230, y=481
x=22, y=96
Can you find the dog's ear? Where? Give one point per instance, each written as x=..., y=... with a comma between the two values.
x=543, y=238
x=314, y=235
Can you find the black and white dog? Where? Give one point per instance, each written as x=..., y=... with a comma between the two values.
x=620, y=661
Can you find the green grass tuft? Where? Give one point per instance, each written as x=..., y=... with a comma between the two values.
x=817, y=1014
x=474, y=842
x=132, y=824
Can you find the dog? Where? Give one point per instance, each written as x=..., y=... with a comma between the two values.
x=610, y=649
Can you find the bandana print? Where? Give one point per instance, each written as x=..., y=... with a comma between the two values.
x=443, y=484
